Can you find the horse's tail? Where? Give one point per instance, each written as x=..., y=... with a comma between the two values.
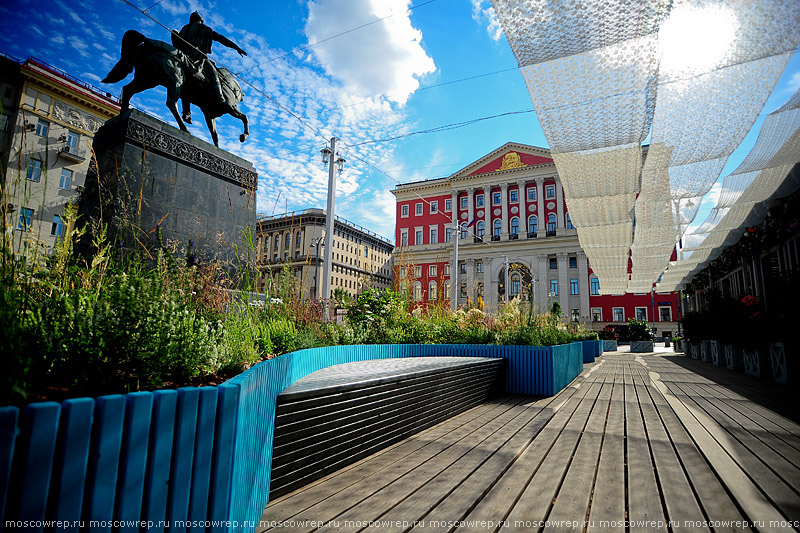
x=130, y=42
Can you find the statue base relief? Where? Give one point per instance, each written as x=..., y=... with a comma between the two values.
x=149, y=178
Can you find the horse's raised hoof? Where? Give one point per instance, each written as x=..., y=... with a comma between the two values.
x=187, y=118
x=243, y=137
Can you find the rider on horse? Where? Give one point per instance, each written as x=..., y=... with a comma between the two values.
x=195, y=41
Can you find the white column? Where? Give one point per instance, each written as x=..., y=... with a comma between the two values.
x=543, y=285
x=504, y=208
x=470, y=280
x=583, y=286
x=487, y=215
x=559, y=206
x=541, y=228
x=563, y=282
x=470, y=210
x=489, y=297
x=523, y=210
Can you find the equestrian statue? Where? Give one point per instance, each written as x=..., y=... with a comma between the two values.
x=184, y=69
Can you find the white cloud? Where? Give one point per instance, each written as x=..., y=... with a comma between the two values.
x=384, y=58
x=794, y=83
x=484, y=13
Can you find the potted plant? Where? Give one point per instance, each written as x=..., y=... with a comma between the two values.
x=609, y=337
x=754, y=337
x=641, y=337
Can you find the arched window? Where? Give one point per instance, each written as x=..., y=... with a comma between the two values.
x=516, y=285
x=551, y=223
x=569, y=222
x=480, y=229
x=417, y=291
x=432, y=291
x=299, y=237
x=515, y=226
x=288, y=240
x=533, y=224
x=498, y=225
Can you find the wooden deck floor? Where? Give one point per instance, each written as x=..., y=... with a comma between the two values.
x=635, y=443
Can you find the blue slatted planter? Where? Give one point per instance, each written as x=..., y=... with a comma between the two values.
x=198, y=454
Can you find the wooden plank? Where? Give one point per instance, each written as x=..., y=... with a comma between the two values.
x=682, y=509
x=645, y=511
x=37, y=444
x=607, y=511
x=101, y=478
x=182, y=456
x=8, y=438
x=714, y=499
x=201, y=467
x=162, y=432
x=415, y=492
x=344, y=490
x=458, y=488
x=571, y=507
x=500, y=498
x=133, y=460
x=72, y=456
x=536, y=500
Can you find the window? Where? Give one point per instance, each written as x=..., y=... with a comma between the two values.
x=480, y=229
x=448, y=205
x=462, y=268
x=404, y=211
x=73, y=140
x=496, y=197
x=58, y=226
x=573, y=286
x=532, y=193
x=404, y=237
x=402, y=272
x=569, y=222
x=514, y=193
x=576, y=315
x=464, y=232
x=417, y=291
x=418, y=236
x=550, y=191
x=66, y=179
x=498, y=225
x=551, y=223
x=4, y=122
x=464, y=201
x=434, y=206
x=431, y=270
x=533, y=224
x=432, y=291
x=462, y=290
x=554, y=287
x=641, y=313
x=479, y=267
x=515, y=227
x=417, y=271
x=285, y=256
x=573, y=262
x=298, y=238
x=287, y=241
x=418, y=209
x=297, y=254
x=619, y=314
x=665, y=314
x=366, y=251
x=42, y=127
x=479, y=200
x=34, y=169
x=597, y=314
x=515, y=285
x=447, y=269
x=448, y=234
x=434, y=236
x=553, y=263
x=594, y=286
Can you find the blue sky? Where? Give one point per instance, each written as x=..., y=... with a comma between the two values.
x=386, y=79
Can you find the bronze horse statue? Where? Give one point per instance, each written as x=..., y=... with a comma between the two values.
x=158, y=63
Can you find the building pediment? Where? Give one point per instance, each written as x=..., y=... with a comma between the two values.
x=509, y=157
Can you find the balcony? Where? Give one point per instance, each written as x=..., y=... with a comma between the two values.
x=513, y=237
x=72, y=154
x=495, y=238
x=531, y=234
x=478, y=239
x=551, y=230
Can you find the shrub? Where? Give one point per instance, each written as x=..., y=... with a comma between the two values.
x=639, y=330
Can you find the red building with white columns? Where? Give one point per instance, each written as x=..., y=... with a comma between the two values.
x=513, y=216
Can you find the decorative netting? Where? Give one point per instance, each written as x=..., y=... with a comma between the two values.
x=603, y=75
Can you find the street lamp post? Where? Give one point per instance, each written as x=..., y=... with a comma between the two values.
x=317, y=244
x=457, y=228
x=328, y=155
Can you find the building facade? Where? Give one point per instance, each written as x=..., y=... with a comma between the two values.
x=361, y=259
x=515, y=238
x=55, y=117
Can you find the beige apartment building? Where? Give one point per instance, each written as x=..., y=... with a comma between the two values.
x=295, y=241
x=49, y=119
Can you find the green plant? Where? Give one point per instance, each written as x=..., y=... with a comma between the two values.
x=639, y=330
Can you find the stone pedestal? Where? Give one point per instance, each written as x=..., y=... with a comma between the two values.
x=149, y=175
